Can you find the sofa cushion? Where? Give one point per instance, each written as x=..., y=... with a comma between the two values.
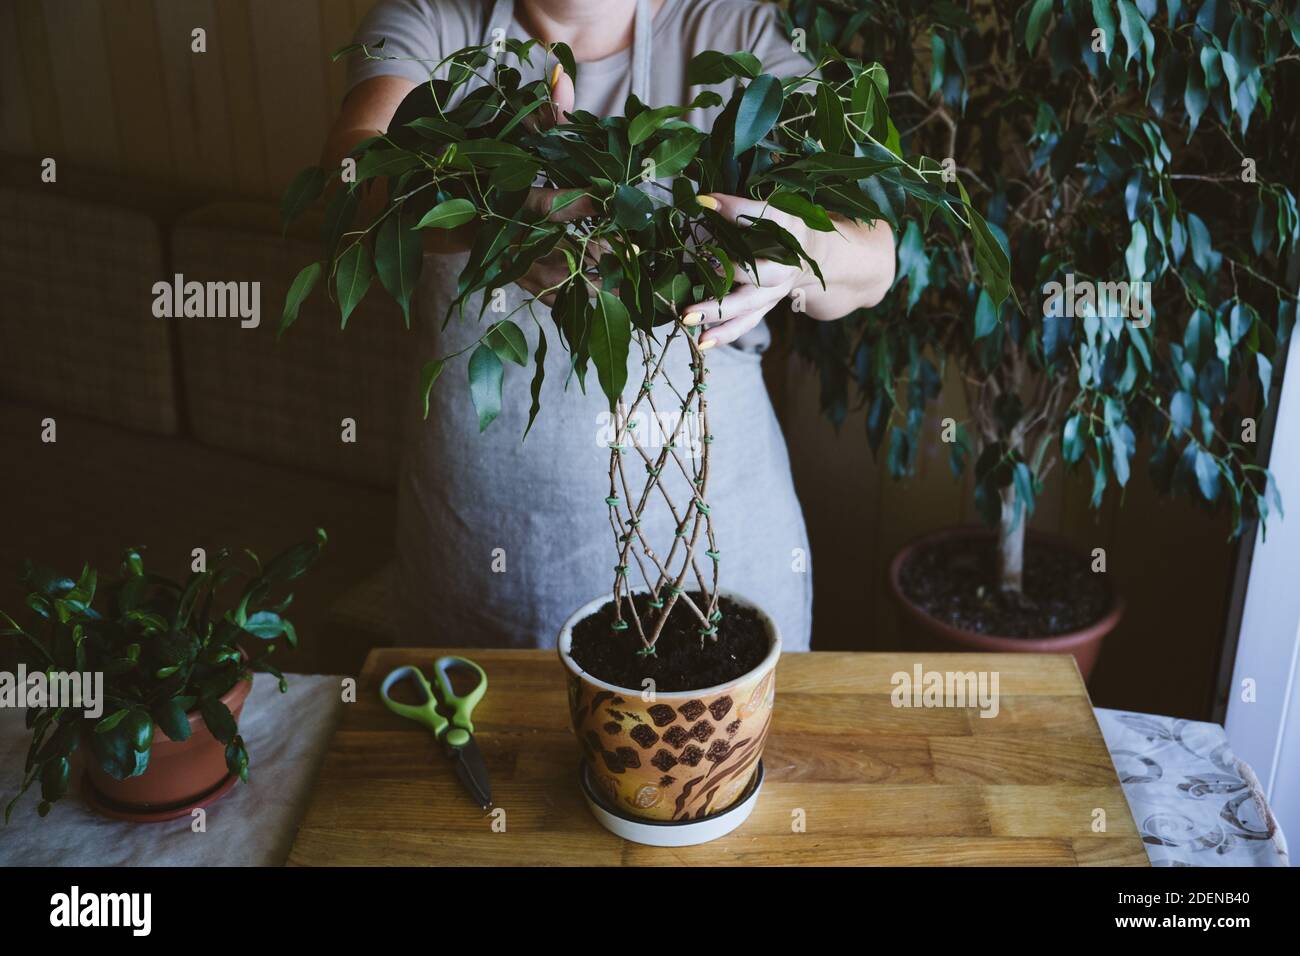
x=286, y=401
x=78, y=260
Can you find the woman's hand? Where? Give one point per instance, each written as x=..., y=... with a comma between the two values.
x=857, y=262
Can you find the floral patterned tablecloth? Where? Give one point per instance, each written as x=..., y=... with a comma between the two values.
x=1195, y=802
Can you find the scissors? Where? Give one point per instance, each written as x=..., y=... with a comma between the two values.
x=457, y=732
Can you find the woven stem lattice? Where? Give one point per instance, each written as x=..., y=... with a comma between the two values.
x=664, y=575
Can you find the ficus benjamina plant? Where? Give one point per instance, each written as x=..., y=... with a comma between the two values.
x=462, y=149
x=1138, y=160
x=166, y=649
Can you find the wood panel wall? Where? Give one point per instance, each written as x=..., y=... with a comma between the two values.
x=113, y=84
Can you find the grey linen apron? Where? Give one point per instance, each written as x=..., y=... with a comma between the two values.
x=500, y=539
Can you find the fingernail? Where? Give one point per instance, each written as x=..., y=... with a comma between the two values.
x=708, y=344
x=708, y=202
x=692, y=319
x=555, y=76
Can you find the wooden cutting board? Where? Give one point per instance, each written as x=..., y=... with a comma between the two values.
x=870, y=782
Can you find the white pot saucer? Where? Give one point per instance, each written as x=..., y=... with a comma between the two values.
x=671, y=832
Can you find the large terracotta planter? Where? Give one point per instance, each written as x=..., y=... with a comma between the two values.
x=683, y=755
x=929, y=633
x=179, y=772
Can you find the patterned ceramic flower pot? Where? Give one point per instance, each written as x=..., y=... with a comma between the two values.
x=683, y=755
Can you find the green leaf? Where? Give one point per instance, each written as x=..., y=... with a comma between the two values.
x=54, y=779
x=913, y=263
x=610, y=338
x=675, y=153
x=172, y=720
x=352, y=279
x=813, y=215
x=485, y=376
x=646, y=124
x=302, y=285
x=1037, y=23
x=539, y=375
x=632, y=208
x=305, y=189
x=220, y=722
x=1105, y=20
x=264, y=624
x=712, y=67
x=991, y=260
x=508, y=341
x=447, y=215
x=830, y=118
x=399, y=255
x=111, y=721
x=428, y=375
x=986, y=315
x=237, y=758
x=759, y=107
x=1136, y=34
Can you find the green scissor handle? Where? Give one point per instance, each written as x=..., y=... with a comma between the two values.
x=460, y=726
x=461, y=707
x=423, y=713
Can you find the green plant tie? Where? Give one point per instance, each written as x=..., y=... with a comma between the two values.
x=701, y=386
x=708, y=632
x=612, y=500
x=647, y=386
x=620, y=570
x=617, y=449
x=652, y=472
x=647, y=652
x=618, y=626
x=716, y=616
x=634, y=522
x=713, y=554
x=707, y=439
x=631, y=426
x=674, y=590
x=701, y=507
x=657, y=603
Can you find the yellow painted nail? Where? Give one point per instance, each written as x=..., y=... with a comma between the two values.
x=708, y=202
x=555, y=76
x=692, y=318
x=708, y=344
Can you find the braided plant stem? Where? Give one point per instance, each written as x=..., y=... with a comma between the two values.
x=664, y=578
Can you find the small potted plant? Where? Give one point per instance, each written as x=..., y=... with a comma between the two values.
x=671, y=679
x=1133, y=158
x=177, y=669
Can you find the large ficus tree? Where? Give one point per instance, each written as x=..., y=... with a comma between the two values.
x=1113, y=146
x=465, y=148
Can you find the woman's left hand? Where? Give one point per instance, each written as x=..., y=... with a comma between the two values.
x=857, y=262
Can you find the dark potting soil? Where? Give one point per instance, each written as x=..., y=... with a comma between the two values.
x=681, y=661
x=956, y=581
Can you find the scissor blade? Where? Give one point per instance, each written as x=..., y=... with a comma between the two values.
x=472, y=772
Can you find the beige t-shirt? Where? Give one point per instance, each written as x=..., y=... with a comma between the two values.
x=499, y=539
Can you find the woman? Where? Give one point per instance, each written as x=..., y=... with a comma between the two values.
x=499, y=539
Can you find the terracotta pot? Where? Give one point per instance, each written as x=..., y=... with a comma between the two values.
x=683, y=755
x=179, y=772
x=930, y=633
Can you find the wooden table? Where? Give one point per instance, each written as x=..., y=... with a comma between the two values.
x=877, y=784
